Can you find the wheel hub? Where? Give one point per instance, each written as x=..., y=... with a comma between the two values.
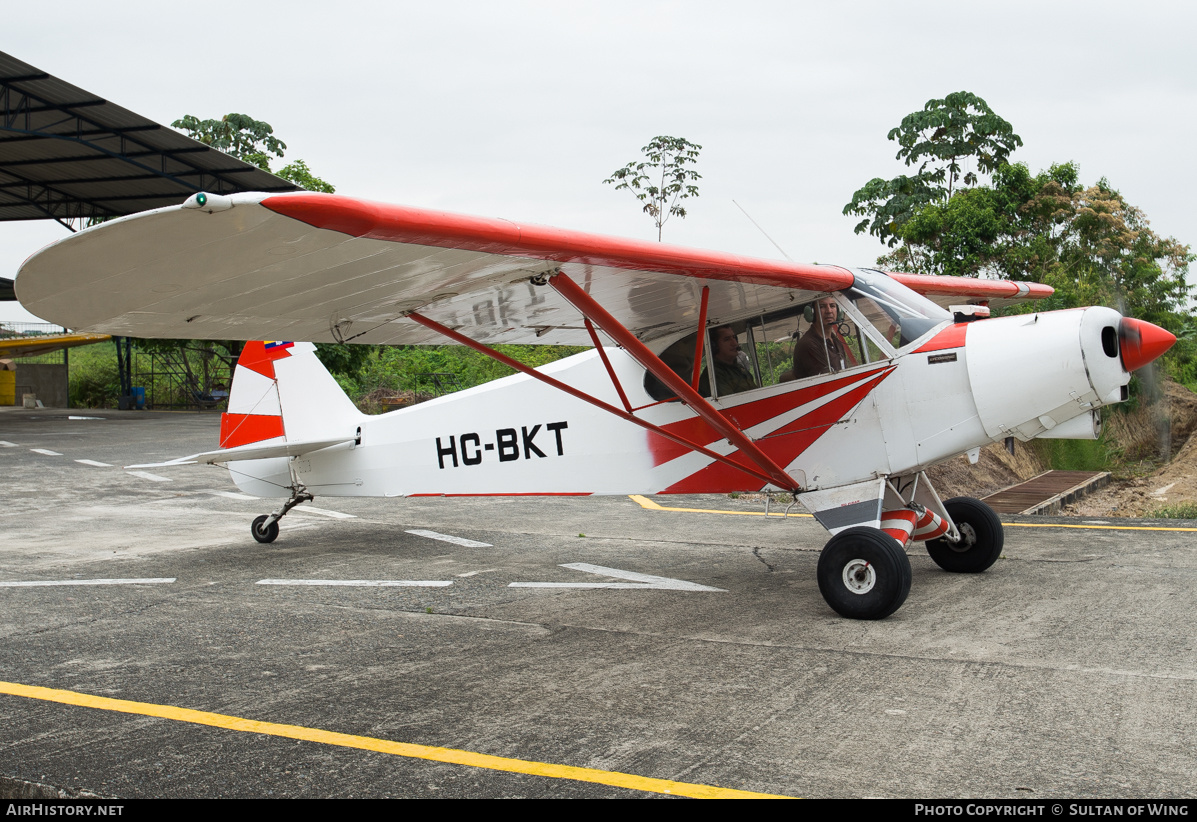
x=859, y=576
x=968, y=537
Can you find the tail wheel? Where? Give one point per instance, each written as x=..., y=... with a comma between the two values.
x=864, y=573
x=981, y=538
x=263, y=532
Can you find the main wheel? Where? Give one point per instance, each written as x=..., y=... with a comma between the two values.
x=263, y=532
x=864, y=573
x=981, y=538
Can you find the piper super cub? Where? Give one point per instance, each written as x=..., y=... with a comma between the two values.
x=686, y=390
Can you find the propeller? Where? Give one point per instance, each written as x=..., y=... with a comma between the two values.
x=1141, y=342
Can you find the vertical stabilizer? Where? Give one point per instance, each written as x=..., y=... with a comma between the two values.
x=281, y=391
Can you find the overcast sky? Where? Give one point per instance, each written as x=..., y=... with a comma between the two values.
x=521, y=109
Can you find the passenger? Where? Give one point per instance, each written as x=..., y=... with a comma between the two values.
x=731, y=375
x=820, y=350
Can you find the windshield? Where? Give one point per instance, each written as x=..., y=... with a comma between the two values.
x=899, y=314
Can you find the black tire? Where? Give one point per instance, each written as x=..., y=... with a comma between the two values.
x=263, y=533
x=981, y=538
x=864, y=573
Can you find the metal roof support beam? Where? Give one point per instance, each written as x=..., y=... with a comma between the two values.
x=24, y=107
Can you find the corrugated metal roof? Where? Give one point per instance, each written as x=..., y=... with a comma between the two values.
x=67, y=153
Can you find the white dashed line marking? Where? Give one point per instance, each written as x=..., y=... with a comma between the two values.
x=7, y=444
x=641, y=581
x=48, y=582
x=462, y=541
x=45, y=451
x=324, y=512
x=231, y=495
x=475, y=573
x=147, y=475
x=96, y=464
x=362, y=583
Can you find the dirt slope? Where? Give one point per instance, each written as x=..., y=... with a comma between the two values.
x=1143, y=436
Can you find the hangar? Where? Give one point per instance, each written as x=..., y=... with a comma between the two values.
x=73, y=157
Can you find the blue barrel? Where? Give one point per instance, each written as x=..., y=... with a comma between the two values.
x=138, y=398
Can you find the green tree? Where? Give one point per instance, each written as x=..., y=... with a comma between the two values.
x=299, y=173
x=238, y=135
x=253, y=141
x=1087, y=242
x=942, y=139
x=662, y=180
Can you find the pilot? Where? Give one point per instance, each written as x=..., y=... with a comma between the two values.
x=821, y=350
x=731, y=374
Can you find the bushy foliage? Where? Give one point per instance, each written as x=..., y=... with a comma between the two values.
x=408, y=367
x=358, y=369
x=1181, y=510
x=944, y=140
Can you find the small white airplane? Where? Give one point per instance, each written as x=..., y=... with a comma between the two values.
x=686, y=390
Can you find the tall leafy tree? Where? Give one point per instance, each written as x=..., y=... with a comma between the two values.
x=662, y=179
x=943, y=140
x=299, y=173
x=1087, y=242
x=253, y=141
x=238, y=135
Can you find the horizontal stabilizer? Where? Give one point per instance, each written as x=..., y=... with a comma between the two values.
x=251, y=452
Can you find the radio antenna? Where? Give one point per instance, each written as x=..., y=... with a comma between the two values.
x=767, y=237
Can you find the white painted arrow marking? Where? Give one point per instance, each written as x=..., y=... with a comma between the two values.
x=641, y=581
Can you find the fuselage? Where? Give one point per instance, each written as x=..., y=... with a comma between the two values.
x=956, y=387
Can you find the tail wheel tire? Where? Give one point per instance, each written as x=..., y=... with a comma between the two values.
x=263, y=532
x=981, y=538
x=864, y=573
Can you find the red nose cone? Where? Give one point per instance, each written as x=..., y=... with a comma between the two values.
x=1141, y=343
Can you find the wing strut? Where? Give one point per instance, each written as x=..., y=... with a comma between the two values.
x=598, y=346
x=574, y=392
x=700, y=337
x=614, y=329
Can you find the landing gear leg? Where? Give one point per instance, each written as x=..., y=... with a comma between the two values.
x=265, y=527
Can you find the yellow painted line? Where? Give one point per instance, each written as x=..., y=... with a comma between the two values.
x=367, y=743
x=1097, y=527
x=645, y=502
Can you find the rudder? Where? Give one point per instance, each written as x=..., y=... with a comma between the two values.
x=282, y=391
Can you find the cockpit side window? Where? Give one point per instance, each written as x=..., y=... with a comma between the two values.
x=680, y=358
x=871, y=321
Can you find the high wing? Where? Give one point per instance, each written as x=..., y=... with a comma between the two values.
x=328, y=268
